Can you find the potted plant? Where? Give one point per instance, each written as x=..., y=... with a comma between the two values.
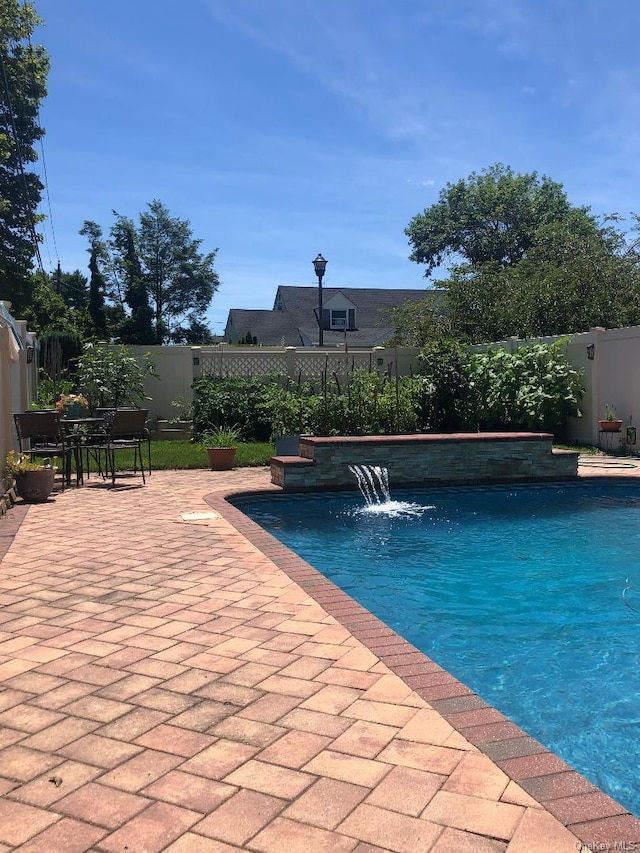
x=73, y=406
x=34, y=480
x=221, y=444
x=610, y=423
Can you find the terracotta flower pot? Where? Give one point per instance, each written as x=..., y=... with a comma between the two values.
x=221, y=458
x=610, y=426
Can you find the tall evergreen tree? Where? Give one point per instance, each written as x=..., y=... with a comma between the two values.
x=97, y=285
x=23, y=75
x=138, y=326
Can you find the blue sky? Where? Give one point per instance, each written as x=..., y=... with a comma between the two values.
x=284, y=128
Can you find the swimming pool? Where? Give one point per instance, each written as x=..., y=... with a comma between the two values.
x=529, y=595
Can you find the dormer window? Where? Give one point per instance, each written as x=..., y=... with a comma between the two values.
x=338, y=319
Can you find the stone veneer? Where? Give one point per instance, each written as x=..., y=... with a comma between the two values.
x=483, y=457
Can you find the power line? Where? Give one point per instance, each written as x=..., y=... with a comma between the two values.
x=46, y=187
x=46, y=178
x=44, y=217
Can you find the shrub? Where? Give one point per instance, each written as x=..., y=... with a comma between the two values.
x=534, y=388
x=110, y=376
x=233, y=400
x=446, y=403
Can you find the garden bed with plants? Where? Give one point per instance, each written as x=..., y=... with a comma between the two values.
x=533, y=389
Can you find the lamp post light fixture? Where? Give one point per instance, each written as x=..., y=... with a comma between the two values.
x=320, y=265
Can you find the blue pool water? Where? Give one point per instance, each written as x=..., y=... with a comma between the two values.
x=529, y=595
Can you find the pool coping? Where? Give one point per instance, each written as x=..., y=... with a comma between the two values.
x=588, y=812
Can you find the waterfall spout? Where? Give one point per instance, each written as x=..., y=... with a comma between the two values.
x=373, y=482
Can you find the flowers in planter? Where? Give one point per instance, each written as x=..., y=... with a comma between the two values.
x=72, y=404
x=609, y=412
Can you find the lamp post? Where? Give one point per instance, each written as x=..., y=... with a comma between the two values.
x=320, y=265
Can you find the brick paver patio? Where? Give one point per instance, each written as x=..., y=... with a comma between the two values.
x=166, y=686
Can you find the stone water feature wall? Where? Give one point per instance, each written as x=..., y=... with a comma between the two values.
x=459, y=458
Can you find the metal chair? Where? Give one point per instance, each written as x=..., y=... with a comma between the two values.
x=43, y=434
x=124, y=429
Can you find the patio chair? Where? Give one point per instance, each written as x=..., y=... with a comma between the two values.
x=124, y=429
x=40, y=434
x=100, y=412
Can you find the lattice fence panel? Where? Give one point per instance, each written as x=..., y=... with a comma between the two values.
x=312, y=365
x=241, y=363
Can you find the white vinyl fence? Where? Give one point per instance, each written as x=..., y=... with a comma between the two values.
x=17, y=376
x=609, y=358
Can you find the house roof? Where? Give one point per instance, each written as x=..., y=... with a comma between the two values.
x=271, y=328
x=367, y=337
x=293, y=320
x=374, y=304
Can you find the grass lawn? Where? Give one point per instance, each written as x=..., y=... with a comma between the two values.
x=172, y=455
x=583, y=449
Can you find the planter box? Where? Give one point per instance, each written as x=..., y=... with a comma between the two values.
x=174, y=430
x=75, y=410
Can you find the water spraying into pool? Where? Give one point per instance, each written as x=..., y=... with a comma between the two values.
x=373, y=482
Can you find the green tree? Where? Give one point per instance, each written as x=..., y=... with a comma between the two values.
x=577, y=276
x=196, y=333
x=181, y=280
x=489, y=217
x=23, y=75
x=523, y=262
x=159, y=283
x=97, y=285
x=73, y=287
x=137, y=327
x=574, y=277
x=46, y=309
x=417, y=323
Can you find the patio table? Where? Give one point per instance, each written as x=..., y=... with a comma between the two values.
x=74, y=435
